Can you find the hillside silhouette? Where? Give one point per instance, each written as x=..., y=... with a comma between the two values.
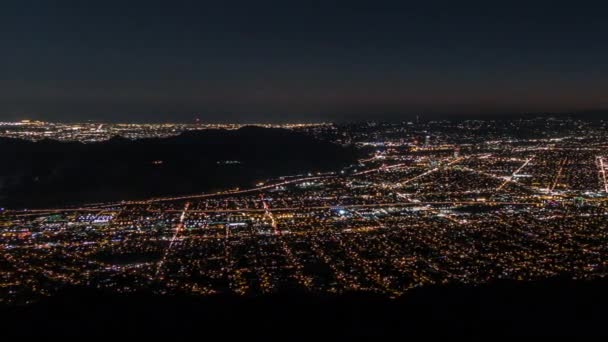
x=53, y=173
x=551, y=307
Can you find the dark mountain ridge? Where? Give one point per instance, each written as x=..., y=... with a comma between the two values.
x=503, y=308
x=52, y=173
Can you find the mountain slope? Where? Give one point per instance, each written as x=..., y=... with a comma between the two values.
x=51, y=173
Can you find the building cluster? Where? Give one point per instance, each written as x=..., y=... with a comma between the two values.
x=94, y=132
x=432, y=203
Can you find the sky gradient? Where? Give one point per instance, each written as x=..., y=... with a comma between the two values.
x=254, y=61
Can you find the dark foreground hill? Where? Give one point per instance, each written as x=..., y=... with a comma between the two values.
x=51, y=173
x=555, y=307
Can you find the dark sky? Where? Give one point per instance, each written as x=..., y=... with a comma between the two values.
x=298, y=60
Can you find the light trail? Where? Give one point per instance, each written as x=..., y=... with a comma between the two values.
x=370, y=205
x=234, y=192
x=270, y=216
x=426, y=173
x=559, y=173
x=404, y=196
x=381, y=168
x=603, y=172
x=299, y=276
x=490, y=175
x=178, y=229
x=97, y=207
x=515, y=173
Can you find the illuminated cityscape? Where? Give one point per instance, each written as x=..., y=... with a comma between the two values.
x=433, y=202
x=321, y=170
x=95, y=132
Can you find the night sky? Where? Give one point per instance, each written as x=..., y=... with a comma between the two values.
x=252, y=60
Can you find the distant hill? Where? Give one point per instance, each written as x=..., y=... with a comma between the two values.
x=52, y=173
x=553, y=307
